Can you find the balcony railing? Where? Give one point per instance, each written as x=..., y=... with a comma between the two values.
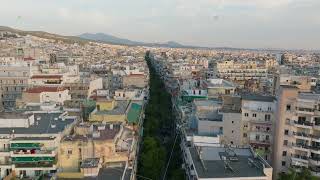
x=302, y=134
x=305, y=123
x=301, y=146
x=301, y=157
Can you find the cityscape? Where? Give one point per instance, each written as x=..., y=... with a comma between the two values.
x=95, y=106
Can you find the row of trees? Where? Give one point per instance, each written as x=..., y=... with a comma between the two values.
x=158, y=134
x=303, y=174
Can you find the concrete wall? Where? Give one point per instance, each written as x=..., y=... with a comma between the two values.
x=281, y=115
x=232, y=131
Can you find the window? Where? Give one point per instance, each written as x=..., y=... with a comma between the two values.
x=269, y=108
x=231, y=142
x=257, y=137
x=221, y=130
x=286, y=132
x=267, y=117
x=283, y=163
x=232, y=122
x=59, y=95
x=245, y=135
x=284, y=153
x=285, y=142
x=69, y=151
x=246, y=114
x=232, y=131
x=254, y=115
x=267, y=138
x=288, y=107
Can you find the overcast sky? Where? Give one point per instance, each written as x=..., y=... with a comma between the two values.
x=214, y=23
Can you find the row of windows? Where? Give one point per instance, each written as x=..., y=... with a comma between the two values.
x=267, y=117
x=12, y=81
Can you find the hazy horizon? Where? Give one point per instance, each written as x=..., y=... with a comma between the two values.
x=287, y=24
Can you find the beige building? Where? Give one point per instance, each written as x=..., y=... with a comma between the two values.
x=44, y=95
x=241, y=71
x=109, y=142
x=297, y=139
x=137, y=80
x=258, y=119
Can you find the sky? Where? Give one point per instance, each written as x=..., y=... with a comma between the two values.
x=290, y=24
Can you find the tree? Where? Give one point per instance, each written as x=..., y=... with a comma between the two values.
x=152, y=158
x=293, y=174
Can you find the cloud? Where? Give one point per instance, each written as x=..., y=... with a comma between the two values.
x=238, y=23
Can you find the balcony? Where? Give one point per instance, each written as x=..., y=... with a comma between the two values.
x=301, y=135
x=35, y=166
x=261, y=122
x=299, y=160
x=316, y=138
x=36, y=153
x=260, y=142
x=34, y=163
x=315, y=149
x=314, y=161
x=316, y=127
x=301, y=147
x=304, y=124
x=305, y=111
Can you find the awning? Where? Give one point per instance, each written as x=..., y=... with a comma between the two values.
x=32, y=159
x=25, y=146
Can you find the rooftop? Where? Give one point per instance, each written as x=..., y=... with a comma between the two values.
x=239, y=162
x=309, y=96
x=46, y=76
x=219, y=83
x=109, y=173
x=119, y=109
x=44, y=89
x=254, y=97
x=45, y=123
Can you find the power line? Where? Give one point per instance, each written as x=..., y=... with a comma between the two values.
x=165, y=172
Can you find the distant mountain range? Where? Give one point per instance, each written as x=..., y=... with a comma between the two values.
x=46, y=35
x=106, y=38
x=109, y=39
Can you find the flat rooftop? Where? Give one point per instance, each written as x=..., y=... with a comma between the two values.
x=209, y=116
x=219, y=83
x=244, y=163
x=119, y=109
x=49, y=123
x=109, y=173
x=254, y=97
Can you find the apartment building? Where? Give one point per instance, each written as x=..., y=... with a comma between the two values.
x=43, y=95
x=241, y=71
x=218, y=87
x=219, y=162
x=258, y=120
x=109, y=111
x=29, y=142
x=135, y=80
x=13, y=80
x=297, y=136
